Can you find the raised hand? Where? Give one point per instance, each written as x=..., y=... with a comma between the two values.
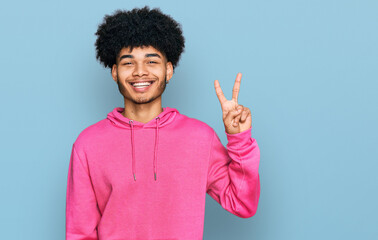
x=236, y=117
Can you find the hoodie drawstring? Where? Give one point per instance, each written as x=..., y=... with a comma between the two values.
x=156, y=147
x=132, y=146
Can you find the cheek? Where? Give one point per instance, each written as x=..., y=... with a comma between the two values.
x=162, y=85
x=158, y=71
x=124, y=71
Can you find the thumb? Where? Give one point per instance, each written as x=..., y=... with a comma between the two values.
x=231, y=115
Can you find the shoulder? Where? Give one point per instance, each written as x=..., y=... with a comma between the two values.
x=196, y=125
x=91, y=134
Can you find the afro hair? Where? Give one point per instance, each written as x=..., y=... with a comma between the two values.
x=138, y=27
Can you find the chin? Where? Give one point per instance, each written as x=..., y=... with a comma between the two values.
x=143, y=99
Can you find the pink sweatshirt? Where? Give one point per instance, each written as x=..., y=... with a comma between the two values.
x=132, y=180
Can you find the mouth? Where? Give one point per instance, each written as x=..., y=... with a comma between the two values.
x=141, y=86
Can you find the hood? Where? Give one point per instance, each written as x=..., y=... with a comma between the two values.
x=163, y=119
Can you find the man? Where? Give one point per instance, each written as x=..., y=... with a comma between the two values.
x=143, y=172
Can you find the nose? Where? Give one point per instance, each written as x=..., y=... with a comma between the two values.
x=140, y=70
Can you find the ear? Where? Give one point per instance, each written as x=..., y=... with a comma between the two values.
x=114, y=72
x=169, y=71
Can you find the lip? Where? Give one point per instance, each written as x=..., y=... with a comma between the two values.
x=141, y=89
x=146, y=80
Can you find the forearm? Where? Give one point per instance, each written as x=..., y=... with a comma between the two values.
x=234, y=181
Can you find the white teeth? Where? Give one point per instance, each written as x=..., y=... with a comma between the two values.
x=141, y=84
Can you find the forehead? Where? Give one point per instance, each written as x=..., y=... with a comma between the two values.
x=140, y=52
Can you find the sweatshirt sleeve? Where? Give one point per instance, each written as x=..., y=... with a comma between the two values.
x=82, y=214
x=233, y=179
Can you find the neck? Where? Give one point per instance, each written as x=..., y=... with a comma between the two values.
x=142, y=112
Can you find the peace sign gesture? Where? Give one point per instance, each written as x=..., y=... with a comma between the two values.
x=236, y=118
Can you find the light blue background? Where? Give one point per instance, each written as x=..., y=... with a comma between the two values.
x=309, y=77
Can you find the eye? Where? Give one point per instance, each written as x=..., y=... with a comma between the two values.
x=151, y=62
x=126, y=63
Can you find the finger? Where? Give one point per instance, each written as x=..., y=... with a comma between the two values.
x=229, y=120
x=219, y=92
x=249, y=118
x=235, y=90
x=236, y=120
x=240, y=109
x=244, y=114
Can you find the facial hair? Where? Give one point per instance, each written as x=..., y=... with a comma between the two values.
x=141, y=100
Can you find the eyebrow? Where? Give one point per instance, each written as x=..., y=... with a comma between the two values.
x=147, y=55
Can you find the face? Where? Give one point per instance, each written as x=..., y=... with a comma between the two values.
x=145, y=64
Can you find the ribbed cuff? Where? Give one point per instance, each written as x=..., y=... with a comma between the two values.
x=238, y=140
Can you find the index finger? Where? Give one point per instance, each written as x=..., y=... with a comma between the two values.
x=219, y=92
x=235, y=90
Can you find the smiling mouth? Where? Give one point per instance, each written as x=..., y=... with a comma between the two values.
x=141, y=84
